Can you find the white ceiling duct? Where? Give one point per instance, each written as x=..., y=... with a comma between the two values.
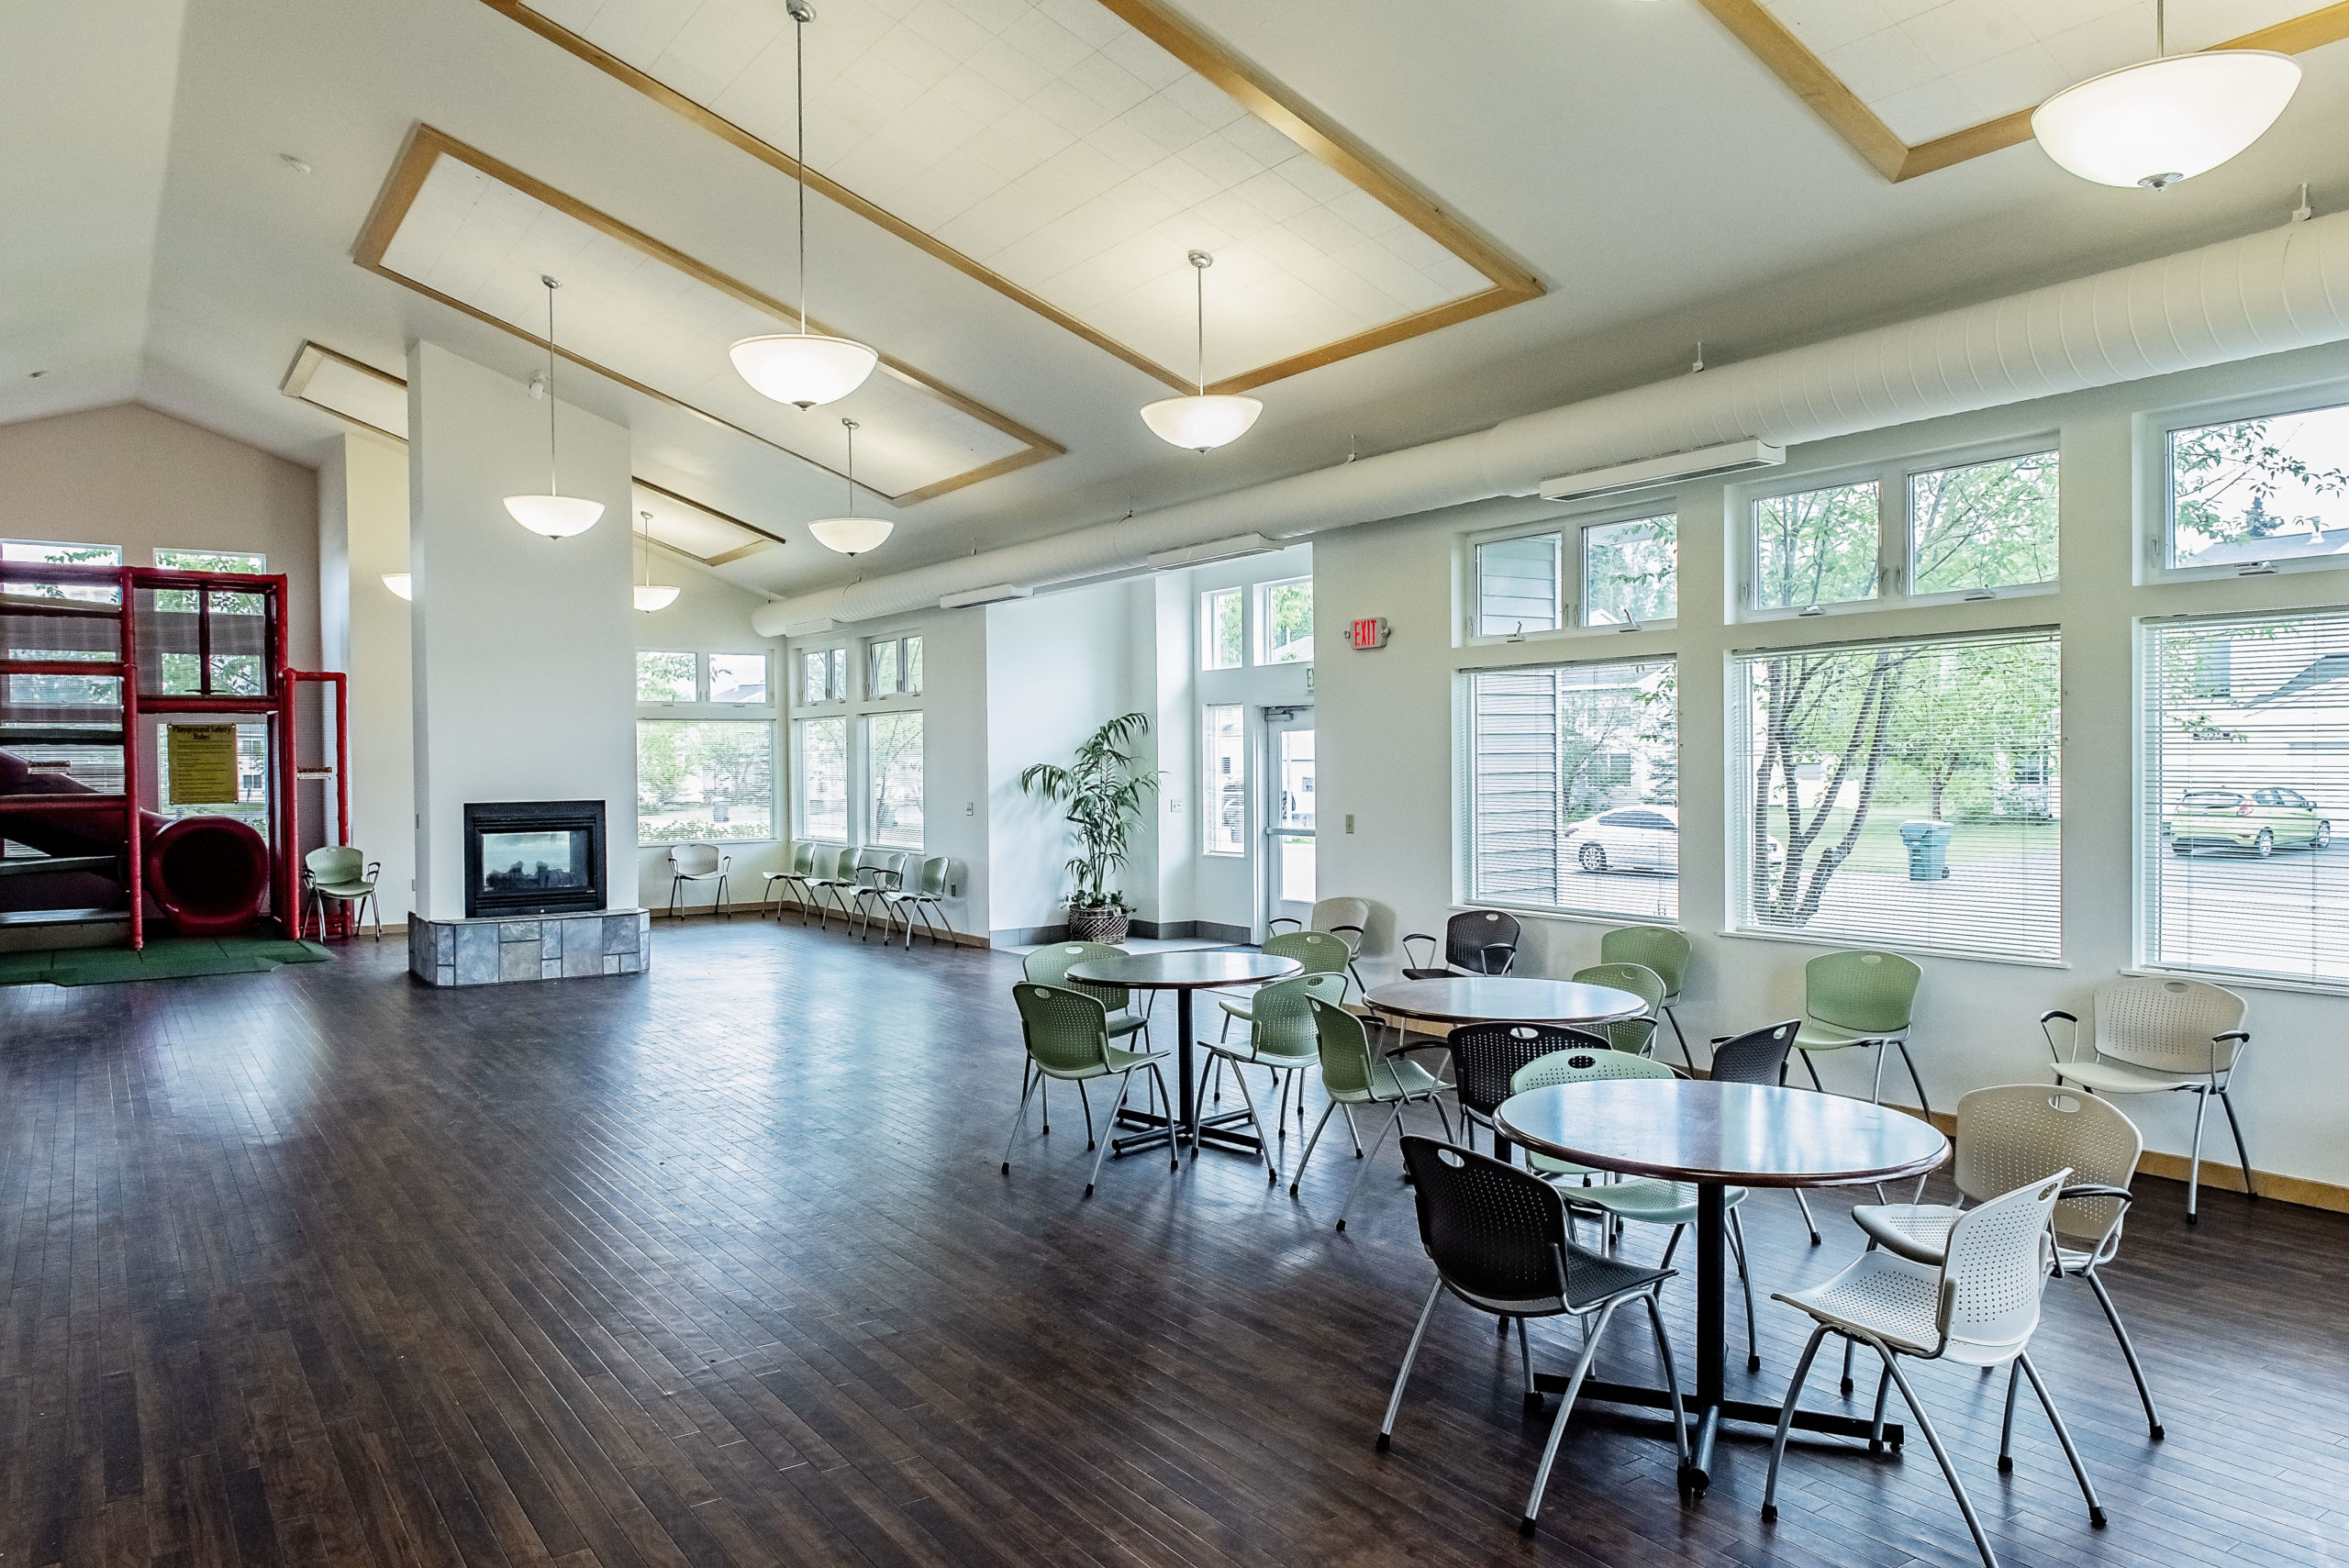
x=2267, y=293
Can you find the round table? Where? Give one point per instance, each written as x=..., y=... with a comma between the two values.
x=1720, y=1134
x=1503, y=998
x=1183, y=972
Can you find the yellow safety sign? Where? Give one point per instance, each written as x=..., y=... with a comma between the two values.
x=203, y=764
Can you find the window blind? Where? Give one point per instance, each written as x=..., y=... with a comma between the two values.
x=1901, y=795
x=2243, y=778
x=1554, y=754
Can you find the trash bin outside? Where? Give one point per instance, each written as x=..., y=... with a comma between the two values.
x=1928, y=843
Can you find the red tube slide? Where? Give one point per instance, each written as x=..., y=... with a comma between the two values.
x=206, y=873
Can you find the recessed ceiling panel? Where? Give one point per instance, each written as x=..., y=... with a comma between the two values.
x=1919, y=84
x=350, y=390
x=1071, y=153
x=693, y=529
x=476, y=234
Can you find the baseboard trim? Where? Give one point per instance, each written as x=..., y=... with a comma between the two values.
x=2224, y=1178
x=792, y=906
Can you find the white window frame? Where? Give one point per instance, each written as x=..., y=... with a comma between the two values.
x=1207, y=597
x=163, y=550
x=800, y=701
x=1573, y=527
x=898, y=693
x=797, y=790
x=1258, y=641
x=769, y=713
x=1895, y=528
x=1209, y=804
x=58, y=544
x=2153, y=445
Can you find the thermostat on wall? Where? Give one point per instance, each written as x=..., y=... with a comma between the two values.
x=1371, y=632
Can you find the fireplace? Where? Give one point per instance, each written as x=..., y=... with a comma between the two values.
x=533, y=857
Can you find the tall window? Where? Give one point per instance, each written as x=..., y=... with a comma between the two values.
x=1901, y=794
x=1574, y=788
x=1224, y=822
x=1223, y=643
x=1285, y=622
x=820, y=762
x=703, y=778
x=1616, y=572
x=2245, y=776
x=2252, y=491
x=893, y=780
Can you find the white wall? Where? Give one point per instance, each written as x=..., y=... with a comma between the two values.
x=524, y=656
x=363, y=535
x=1386, y=755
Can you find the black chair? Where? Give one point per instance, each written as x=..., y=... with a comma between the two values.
x=1760, y=1056
x=1497, y=1238
x=1485, y=1057
x=1475, y=942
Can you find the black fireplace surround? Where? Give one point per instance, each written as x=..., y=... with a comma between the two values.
x=533, y=857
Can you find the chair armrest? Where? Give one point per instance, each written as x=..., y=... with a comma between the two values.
x=2052, y=1014
x=2241, y=1035
x=2095, y=1190
x=725, y=863
x=1283, y=920
x=1409, y=960
x=2049, y=1035
x=375, y=870
x=1408, y=1047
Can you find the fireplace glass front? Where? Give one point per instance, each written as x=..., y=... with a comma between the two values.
x=540, y=856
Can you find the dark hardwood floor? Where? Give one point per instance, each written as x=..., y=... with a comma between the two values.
x=713, y=1266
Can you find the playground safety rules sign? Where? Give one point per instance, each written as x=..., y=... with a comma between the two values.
x=203, y=764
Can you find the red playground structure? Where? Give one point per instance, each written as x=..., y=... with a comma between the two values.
x=110, y=677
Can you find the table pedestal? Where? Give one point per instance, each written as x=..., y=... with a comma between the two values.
x=1711, y=1405
x=1215, y=1131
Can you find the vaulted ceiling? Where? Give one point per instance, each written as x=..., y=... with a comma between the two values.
x=1424, y=218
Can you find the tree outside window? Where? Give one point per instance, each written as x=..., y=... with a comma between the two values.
x=1984, y=525
x=893, y=775
x=1285, y=621
x=2261, y=489
x=1631, y=572
x=1815, y=547
x=1223, y=630
x=707, y=779
x=664, y=677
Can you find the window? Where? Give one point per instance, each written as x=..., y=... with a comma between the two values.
x=2252, y=491
x=823, y=675
x=1517, y=585
x=821, y=758
x=1630, y=572
x=1982, y=525
x=1225, y=820
x=1285, y=622
x=44, y=552
x=1901, y=794
x=737, y=678
x=1222, y=635
x=703, y=778
x=211, y=560
x=893, y=668
x=1573, y=789
x=665, y=678
x=1815, y=547
x=2244, y=776
x=893, y=780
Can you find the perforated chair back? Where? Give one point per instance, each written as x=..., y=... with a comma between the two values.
x=1344, y=918
x=2013, y=1134
x=693, y=859
x=1584, y=1066
x=335, y=865
x=1343, y=1047
x=1496, y=1234
x=1757, y=1056
x=1319, y=951
x=1281, y=1017
x=1658, y=947
x=1995, y=1268
x=1050, y=966
x=1485, y=1057
x=937, y=877
x=1865, y=993
x=1634, y=1035
x=2168, y=1026
x=1482, y=941
x=1067, y=1031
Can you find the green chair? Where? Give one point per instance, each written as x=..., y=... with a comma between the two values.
x=930, y=890
x=833, y=882
x=1354, y=1075
x=793, y=879
x=1635, y=1037
x=1283, y=1040
x=1645, y=1200
x=1663, y=950
x=1050, y=966
x=1854, y=999
x=1321, y=952
x=1067, y=1034
x=341, y=874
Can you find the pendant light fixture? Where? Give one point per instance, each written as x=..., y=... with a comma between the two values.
x=851, y=535
x=803, y=368
x=649, y=595
x=2167, y=118
x=400, y=582
x=554, y=514
x=1200, y=422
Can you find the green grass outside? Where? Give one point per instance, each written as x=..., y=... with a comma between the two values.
x=1880, y=849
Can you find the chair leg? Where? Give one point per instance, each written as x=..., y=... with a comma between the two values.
x=2064, y=1436
x=1745, y=1279
x=1166, y=1104
x=1525, y=1361
x=2007, y=1421
x=2227, y=1104
x=1957, y=1487
x=1875, y=1088
x=1125, y=1085
x=1812, y=1067
x=1804, y=1204
x=1026, y=1089
x=1403, y=1375
x=1525, y=1525
x=1352, y=1131
x=2129, y=1353
x=1271, y=1172
x=1393, y=1124
x=1876, y=1419
x=1311, y=1145
x=1085, y=1101
x=1671, y=1376
x=1444, y=1117
x=1786, y=1421
x=1922, y=1103
x=1685, y=1054
x=1847, y=1368
x=2193, y=1170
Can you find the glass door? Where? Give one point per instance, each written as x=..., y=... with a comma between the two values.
x=1288, y=814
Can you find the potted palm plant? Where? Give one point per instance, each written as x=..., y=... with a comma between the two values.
x=1101, y=794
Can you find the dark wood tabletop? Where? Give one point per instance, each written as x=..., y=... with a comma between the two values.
x=1184, y=969
x=1697, y=1131
x=1504, y=998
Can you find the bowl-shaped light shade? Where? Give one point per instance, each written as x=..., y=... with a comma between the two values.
x=557, y=516
x=2164, y=120
x=400, y=582
x=803, y=368
x=1201, y=424
x=651, y=596
x=849, y=536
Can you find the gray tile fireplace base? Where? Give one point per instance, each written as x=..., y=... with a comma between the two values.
x=544, y=946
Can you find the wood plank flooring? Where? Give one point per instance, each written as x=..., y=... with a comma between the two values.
x=715, y=1267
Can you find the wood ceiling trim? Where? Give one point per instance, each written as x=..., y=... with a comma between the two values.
x=308, y=358
x=1793, y=63
x=1258, y=94
x=426, y=145
x=767, y=537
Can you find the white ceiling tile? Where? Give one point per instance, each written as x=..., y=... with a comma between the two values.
x=2107, y=44
x=1106, y=81
x=1166, y=122
x=1881, y=64
x=1822, y=25
x=2019, y=79
x=1967, y=32
x=1144, y=58
x=1933, y=108
x=1070, y=109
x=1046, y=42
x=949, y=26
x=1087, y=19
x=1016, y=72
x=1222, y=161
x=1203, y=99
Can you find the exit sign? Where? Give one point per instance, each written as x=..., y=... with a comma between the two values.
x=1370, y=632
